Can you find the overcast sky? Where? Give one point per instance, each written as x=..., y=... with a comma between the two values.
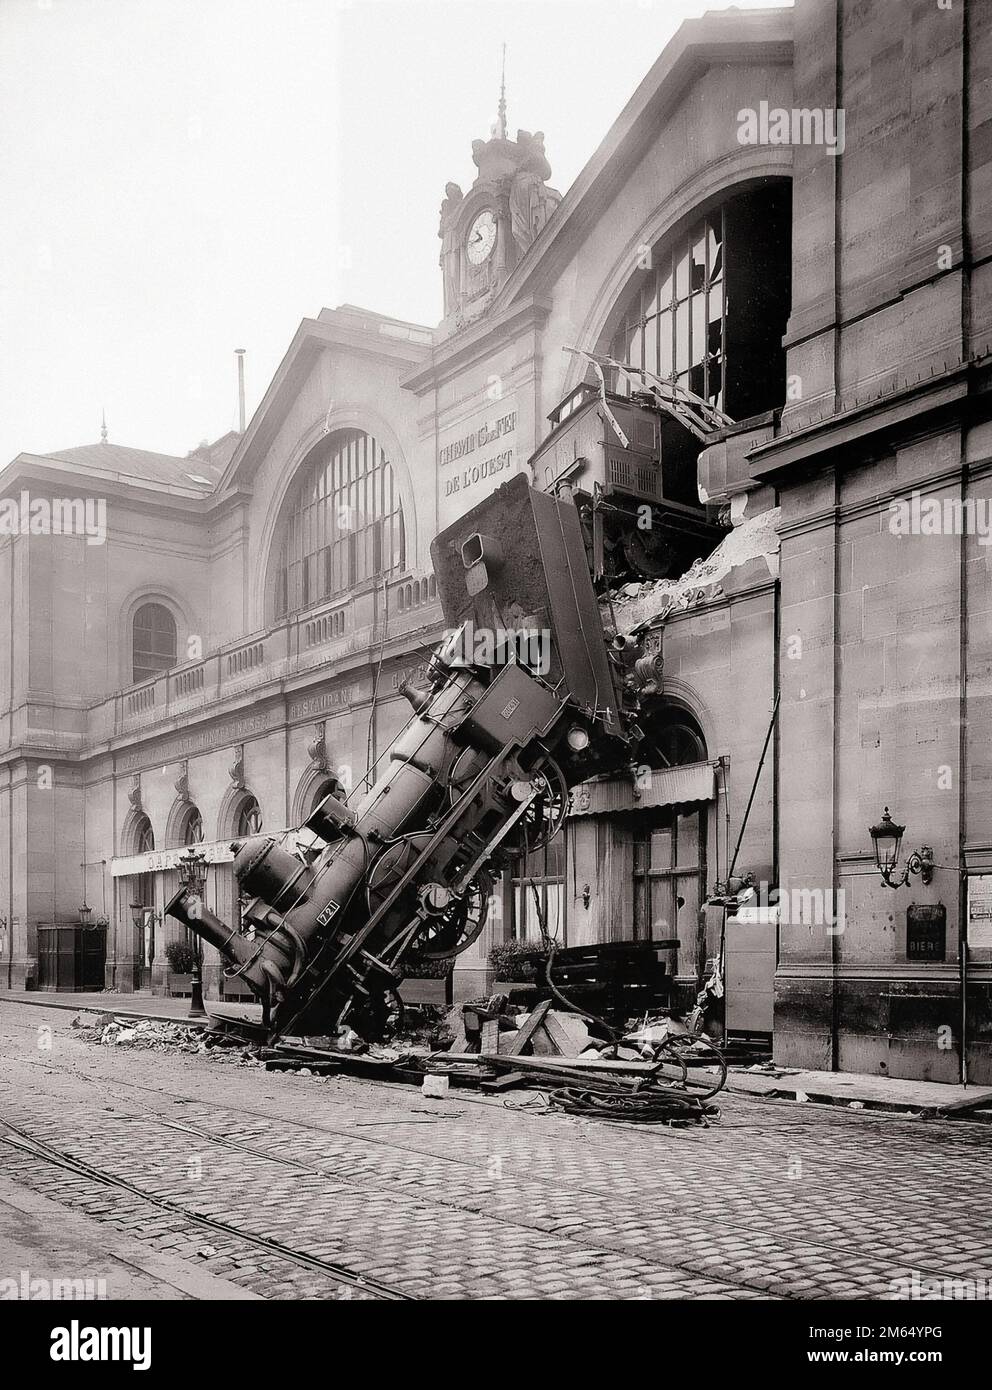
x=179, y=178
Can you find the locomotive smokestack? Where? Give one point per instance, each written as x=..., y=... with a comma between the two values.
x=240, y=355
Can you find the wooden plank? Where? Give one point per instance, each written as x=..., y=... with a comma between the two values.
x=588, y=1066
x=490, y=1037
x=460, y=1045
x=528, y=1030
x=504, y=1082
x=563, y=1071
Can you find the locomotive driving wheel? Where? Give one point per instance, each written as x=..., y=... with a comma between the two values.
x=455, y=928
x=450, y=923
x=545, y=815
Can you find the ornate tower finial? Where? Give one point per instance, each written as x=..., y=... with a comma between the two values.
x=103, y=428
x=501, y=111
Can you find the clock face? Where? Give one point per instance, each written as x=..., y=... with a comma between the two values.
x=481, y=237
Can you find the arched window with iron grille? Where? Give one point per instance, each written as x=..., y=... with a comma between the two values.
x=709, y=308
x=344, y=524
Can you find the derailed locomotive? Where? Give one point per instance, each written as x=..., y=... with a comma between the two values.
x=480, y=773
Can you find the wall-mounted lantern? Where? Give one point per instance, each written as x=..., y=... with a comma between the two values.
x=887, y=838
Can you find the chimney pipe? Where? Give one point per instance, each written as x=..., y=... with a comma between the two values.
x=240, y=355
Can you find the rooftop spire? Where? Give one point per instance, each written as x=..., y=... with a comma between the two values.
x=103, y=428
x=501, y=110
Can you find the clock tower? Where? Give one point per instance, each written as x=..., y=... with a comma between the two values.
x=486, y=231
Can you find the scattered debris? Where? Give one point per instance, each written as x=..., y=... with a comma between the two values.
x=155, y=1035
x=657, y=1071
x=666, y=1077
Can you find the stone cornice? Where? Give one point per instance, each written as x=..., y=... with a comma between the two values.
x=896, y=412
x=475, y=343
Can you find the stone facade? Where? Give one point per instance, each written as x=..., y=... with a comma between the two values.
x=876, y=645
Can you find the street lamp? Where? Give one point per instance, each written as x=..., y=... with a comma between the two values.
x=85, y=913
x=193, y=876
x=887, y=839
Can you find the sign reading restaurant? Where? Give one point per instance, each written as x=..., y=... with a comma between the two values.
x=474, y=459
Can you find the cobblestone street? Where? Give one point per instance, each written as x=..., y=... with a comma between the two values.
x=291, y=1187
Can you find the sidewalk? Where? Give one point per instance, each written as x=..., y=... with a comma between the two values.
x=159, y=1007
x=52, y=1252
x=868, y=1091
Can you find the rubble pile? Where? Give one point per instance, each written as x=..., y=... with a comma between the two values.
x=656, y=1071
x=153, y=1035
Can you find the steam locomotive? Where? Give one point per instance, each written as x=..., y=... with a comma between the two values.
x=499, y=732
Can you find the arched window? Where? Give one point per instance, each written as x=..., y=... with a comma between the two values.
x=153, y=641
x=143, y=840
x=672, y=737
x=192, y=833
x=345, y=523
x=144, y=836
x=329, y=786
x=710, y=309
x=249, y=818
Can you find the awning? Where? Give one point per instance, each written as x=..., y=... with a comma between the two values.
x=215, y=852
x=668, y=786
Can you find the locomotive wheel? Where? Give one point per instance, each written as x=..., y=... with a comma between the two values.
x=392, y=864
x=545, y=815
x=448, y=932
x=454, y=930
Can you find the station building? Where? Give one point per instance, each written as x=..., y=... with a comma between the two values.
x=792, y=218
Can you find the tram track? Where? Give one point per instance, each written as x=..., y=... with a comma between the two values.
x=30, y=1144
x=155, y=1116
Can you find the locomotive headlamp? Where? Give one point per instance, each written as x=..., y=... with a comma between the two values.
x=578, y=738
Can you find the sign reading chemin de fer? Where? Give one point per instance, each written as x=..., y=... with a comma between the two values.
x=476, y=457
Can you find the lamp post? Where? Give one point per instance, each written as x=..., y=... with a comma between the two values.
x=887, y=838
x=193, y=876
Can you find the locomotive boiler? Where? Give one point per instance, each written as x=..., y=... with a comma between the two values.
x=519, y=702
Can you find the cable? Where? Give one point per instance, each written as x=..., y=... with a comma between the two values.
x=551, y=945
x=603, y=1101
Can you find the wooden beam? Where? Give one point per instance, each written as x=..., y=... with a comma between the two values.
x=524, y=1035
